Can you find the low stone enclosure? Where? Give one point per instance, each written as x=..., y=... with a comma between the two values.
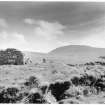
x=32, y=91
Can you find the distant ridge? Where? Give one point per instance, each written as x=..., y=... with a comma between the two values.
x=77, y=49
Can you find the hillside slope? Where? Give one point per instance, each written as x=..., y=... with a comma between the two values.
x=77, y=49
x=77, y=53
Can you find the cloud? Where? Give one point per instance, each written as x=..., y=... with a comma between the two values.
x=43, y=38
x=45, y=35
x=95, y=39
x=12, y=40
x=3, y=23
x=49, y=30
x=29, y=21
x=50, y=35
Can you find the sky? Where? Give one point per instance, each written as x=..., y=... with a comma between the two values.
x=44, y=26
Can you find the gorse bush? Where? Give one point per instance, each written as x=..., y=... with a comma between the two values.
x=32, y=82
x=11, y=56
x=9, y=95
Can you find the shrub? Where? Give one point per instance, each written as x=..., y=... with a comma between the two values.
x=59, y=88
x=35, y=98
x=75, y=81
x=9, y=95
x=32, y=82
x=85, y=92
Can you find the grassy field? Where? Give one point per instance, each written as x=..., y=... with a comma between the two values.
x=65, y=83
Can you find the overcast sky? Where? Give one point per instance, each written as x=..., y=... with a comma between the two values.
x=43, y=26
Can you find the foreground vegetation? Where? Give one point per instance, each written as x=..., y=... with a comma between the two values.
x=53, y=82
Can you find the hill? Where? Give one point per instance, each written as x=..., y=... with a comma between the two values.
x=77, y=53
x=77, y=49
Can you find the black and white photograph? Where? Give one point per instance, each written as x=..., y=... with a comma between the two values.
x=52, y=52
